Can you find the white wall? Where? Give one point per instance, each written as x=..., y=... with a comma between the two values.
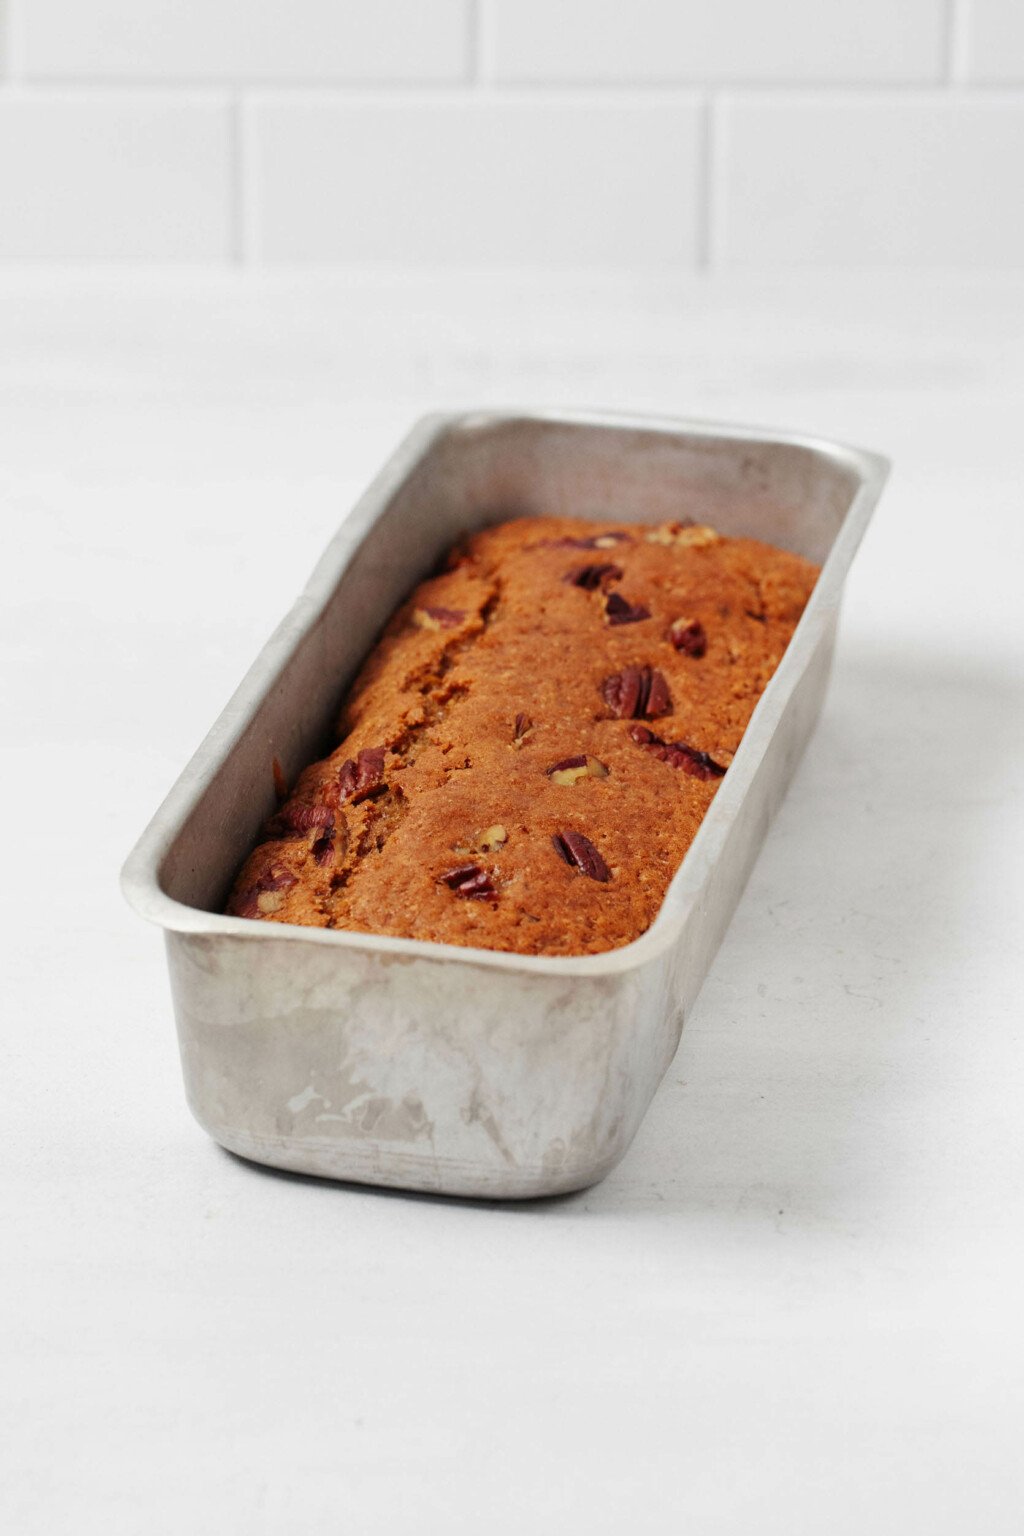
x=667, y=133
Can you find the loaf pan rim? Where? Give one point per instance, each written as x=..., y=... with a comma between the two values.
x=140, y=876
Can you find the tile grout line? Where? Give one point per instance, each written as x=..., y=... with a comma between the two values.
x=703, y=188
x=236, y=182
x=709, y=252
x=473, y=45
x=479, y=42
x=362, y=93
x=957, y=68
x=10, y=43
x=247, y=242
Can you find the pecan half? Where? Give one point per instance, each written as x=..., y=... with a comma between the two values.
x=571, y=769
x=678, y=754
x=361, y=776
x=469, y=880
x=437, y=618
x=636, y=693
x=265, y=895
x=579, y=852
x=618, y=611
x=590, y=577
x=688, y=636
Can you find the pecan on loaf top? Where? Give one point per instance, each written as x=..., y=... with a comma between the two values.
x=529, y=749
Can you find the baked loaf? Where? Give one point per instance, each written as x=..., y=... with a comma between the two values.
x=529, y=749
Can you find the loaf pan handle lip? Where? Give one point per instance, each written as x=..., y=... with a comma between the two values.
x=140, y=875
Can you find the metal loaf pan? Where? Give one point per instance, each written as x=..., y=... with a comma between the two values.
x=428, y=1066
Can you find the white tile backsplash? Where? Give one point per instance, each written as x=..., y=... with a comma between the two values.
x=246, y=40
x=504, y=132
x=726, y=40
x=123, y=176
x=476, y=181
x=995, y=41
x=925, y=180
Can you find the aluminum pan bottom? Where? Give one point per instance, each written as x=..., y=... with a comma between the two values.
x=427, y=1066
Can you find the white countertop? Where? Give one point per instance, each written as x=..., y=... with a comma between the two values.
x=796, y=1305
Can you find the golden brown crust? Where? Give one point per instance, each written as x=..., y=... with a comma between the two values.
x=528, y=752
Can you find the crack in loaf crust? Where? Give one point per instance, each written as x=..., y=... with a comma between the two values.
x=530, y=748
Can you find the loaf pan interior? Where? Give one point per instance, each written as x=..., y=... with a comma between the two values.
x=455, y=474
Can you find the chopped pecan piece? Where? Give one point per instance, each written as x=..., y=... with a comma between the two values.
x=492, y=838
x=301, y=818
x=656, y=699
x=597, y=541
x=487, y=841
x=688, y=636
x=571, y=769
x=699, y=765
x=580, y=853
x=437, y=618
x=618, y=611
x=636, y=693
x=280, y=782
x=265, y=895
x=669, y=533
x=469, y=880
x=591, y=577
x=521, y=729
x=323, y=848
x=686, y=534
x=362, y=776
x=699, y=537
